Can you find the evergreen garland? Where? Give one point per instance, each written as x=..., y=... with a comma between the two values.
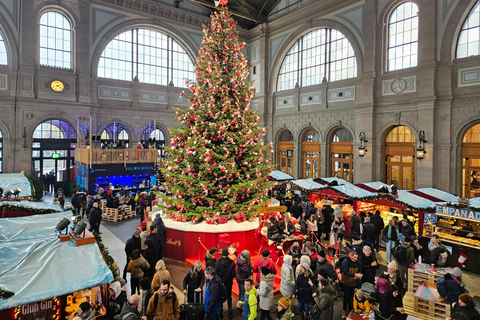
x=106, y=255
x=26, y=209
x=4, y=294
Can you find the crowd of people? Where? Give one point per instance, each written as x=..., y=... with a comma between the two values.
x=307, y=275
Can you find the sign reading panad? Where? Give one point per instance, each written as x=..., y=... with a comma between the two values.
x=464, y=213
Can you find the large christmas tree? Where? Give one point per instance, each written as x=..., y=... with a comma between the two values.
x=217, y=162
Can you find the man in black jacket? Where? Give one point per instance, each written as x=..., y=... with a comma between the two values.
x=377, y=221
x=95, y=218
x=296, y=209
x=355, y=223
x=368, y=235
x=134, y=243
x=77, y=201
x=213, y=294
x=225, y=269
x=327, y=212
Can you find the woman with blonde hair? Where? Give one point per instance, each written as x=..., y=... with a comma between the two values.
x=194, y=280
x=161, y=274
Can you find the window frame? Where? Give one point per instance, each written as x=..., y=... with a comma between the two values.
x=463, y=29
x=71, y=40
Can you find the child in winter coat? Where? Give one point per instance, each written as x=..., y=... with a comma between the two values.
x=284, y=310
x=360, y=302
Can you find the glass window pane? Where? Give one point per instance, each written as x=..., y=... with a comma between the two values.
x=468, y=40
x=55, y=32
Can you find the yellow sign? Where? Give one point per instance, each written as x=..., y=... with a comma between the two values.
x=272, y=209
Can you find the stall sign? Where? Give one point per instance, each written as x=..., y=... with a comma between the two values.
x=457, y=212
x=430, y=218
x=41, y=310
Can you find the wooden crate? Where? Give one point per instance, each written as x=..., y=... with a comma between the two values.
x=112, y=214
x=416, y=277
x=425, y=309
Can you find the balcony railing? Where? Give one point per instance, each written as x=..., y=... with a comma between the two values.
x=92, y=156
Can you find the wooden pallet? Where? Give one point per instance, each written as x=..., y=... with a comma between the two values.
x=111, y=214
x=425, y=309
x=416, y=277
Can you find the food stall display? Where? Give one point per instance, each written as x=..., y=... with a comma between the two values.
x=458, y=224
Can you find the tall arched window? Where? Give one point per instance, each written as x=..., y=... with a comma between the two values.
x=469, y=39
x=403, y=37
x=471, y=162
x=320, y=53
x=400, y=157
x=55, y=40
x=341, y=154
x=115, y=132
x=154, y=138
x=3, y=51
x=285, y=152
x=53, y=151
x=311, y=154
x=149, y=55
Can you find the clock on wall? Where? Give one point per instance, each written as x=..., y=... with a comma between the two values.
x=57, y=86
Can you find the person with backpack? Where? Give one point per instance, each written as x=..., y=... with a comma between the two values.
x=390, y=236
x=164, y=303
x=264, y=261
x=213, y=294
x=405, y=256
x=451, y=286
x=265, y=293
x=225, y=269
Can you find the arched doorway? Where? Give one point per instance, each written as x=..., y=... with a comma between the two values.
x=115, y=133
x=400, y=158
x=285, y=152
x=341, y=154
x=311, y=154
x=53, y=151
x=471, y=162
x=154, y=138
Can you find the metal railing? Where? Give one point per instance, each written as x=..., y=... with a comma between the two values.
x=92, y=156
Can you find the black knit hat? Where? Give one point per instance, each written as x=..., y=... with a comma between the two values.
x=265, y=253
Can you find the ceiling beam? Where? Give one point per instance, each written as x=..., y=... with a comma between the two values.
x=249, y=9
x=261, y=9
x=210, y=4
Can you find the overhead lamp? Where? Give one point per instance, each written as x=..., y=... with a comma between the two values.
x=62, y=225
x=362, y=150
x=79, y=229
x=421, y=145
x=9, y=193
x=17, y=192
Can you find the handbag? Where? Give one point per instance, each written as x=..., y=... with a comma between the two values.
x=316, y=312
x=332, y=239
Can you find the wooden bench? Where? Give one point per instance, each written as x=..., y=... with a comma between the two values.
x=429, y=306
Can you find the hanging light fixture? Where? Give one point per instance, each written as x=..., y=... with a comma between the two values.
x=362, y=150
x=421, y=145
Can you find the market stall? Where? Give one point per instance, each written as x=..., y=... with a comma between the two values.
x=12, y=209
x=14, y=181
x=64, y=275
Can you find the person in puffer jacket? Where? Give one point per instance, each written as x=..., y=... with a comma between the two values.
x=249, y=303
x=265, y=292
x=137, y=267
x=287, y=281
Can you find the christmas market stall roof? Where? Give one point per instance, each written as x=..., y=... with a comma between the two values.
x=308, y=184
x=344, y=188
x=280, y=175
x=473, y=202
x=35, y=265
x=26, y=205
x=436, y=195
x=14, y=181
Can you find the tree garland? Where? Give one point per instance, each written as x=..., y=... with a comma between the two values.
x=106, y=255
x=4, y=294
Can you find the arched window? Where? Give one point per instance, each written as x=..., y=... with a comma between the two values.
x=311, y=154
x=53, y=151
x=3, y=51
x=149, y=55
x=55, y=40
x=469, y=39
x=403, y=37
x=341, y=154
x=400, y=158
x=471, y=162
x=154, y=138
x=318, y=54
x=115, y=132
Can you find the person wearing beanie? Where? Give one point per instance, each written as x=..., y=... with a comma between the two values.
x=405, y=257
x=284, y=311
x=304, y=290
x=452, y=285
x=388, y=278
x=244, y=271
x=324, y=267
x=225, y=269
x=210, y=259
x=351, y=270
x=264, y=261
x=360, y=302
x=323, y=298
x=265, y=293
x=287, y=280
x=466, y=306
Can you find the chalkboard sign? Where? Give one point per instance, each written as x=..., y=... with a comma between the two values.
x=430, y=218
